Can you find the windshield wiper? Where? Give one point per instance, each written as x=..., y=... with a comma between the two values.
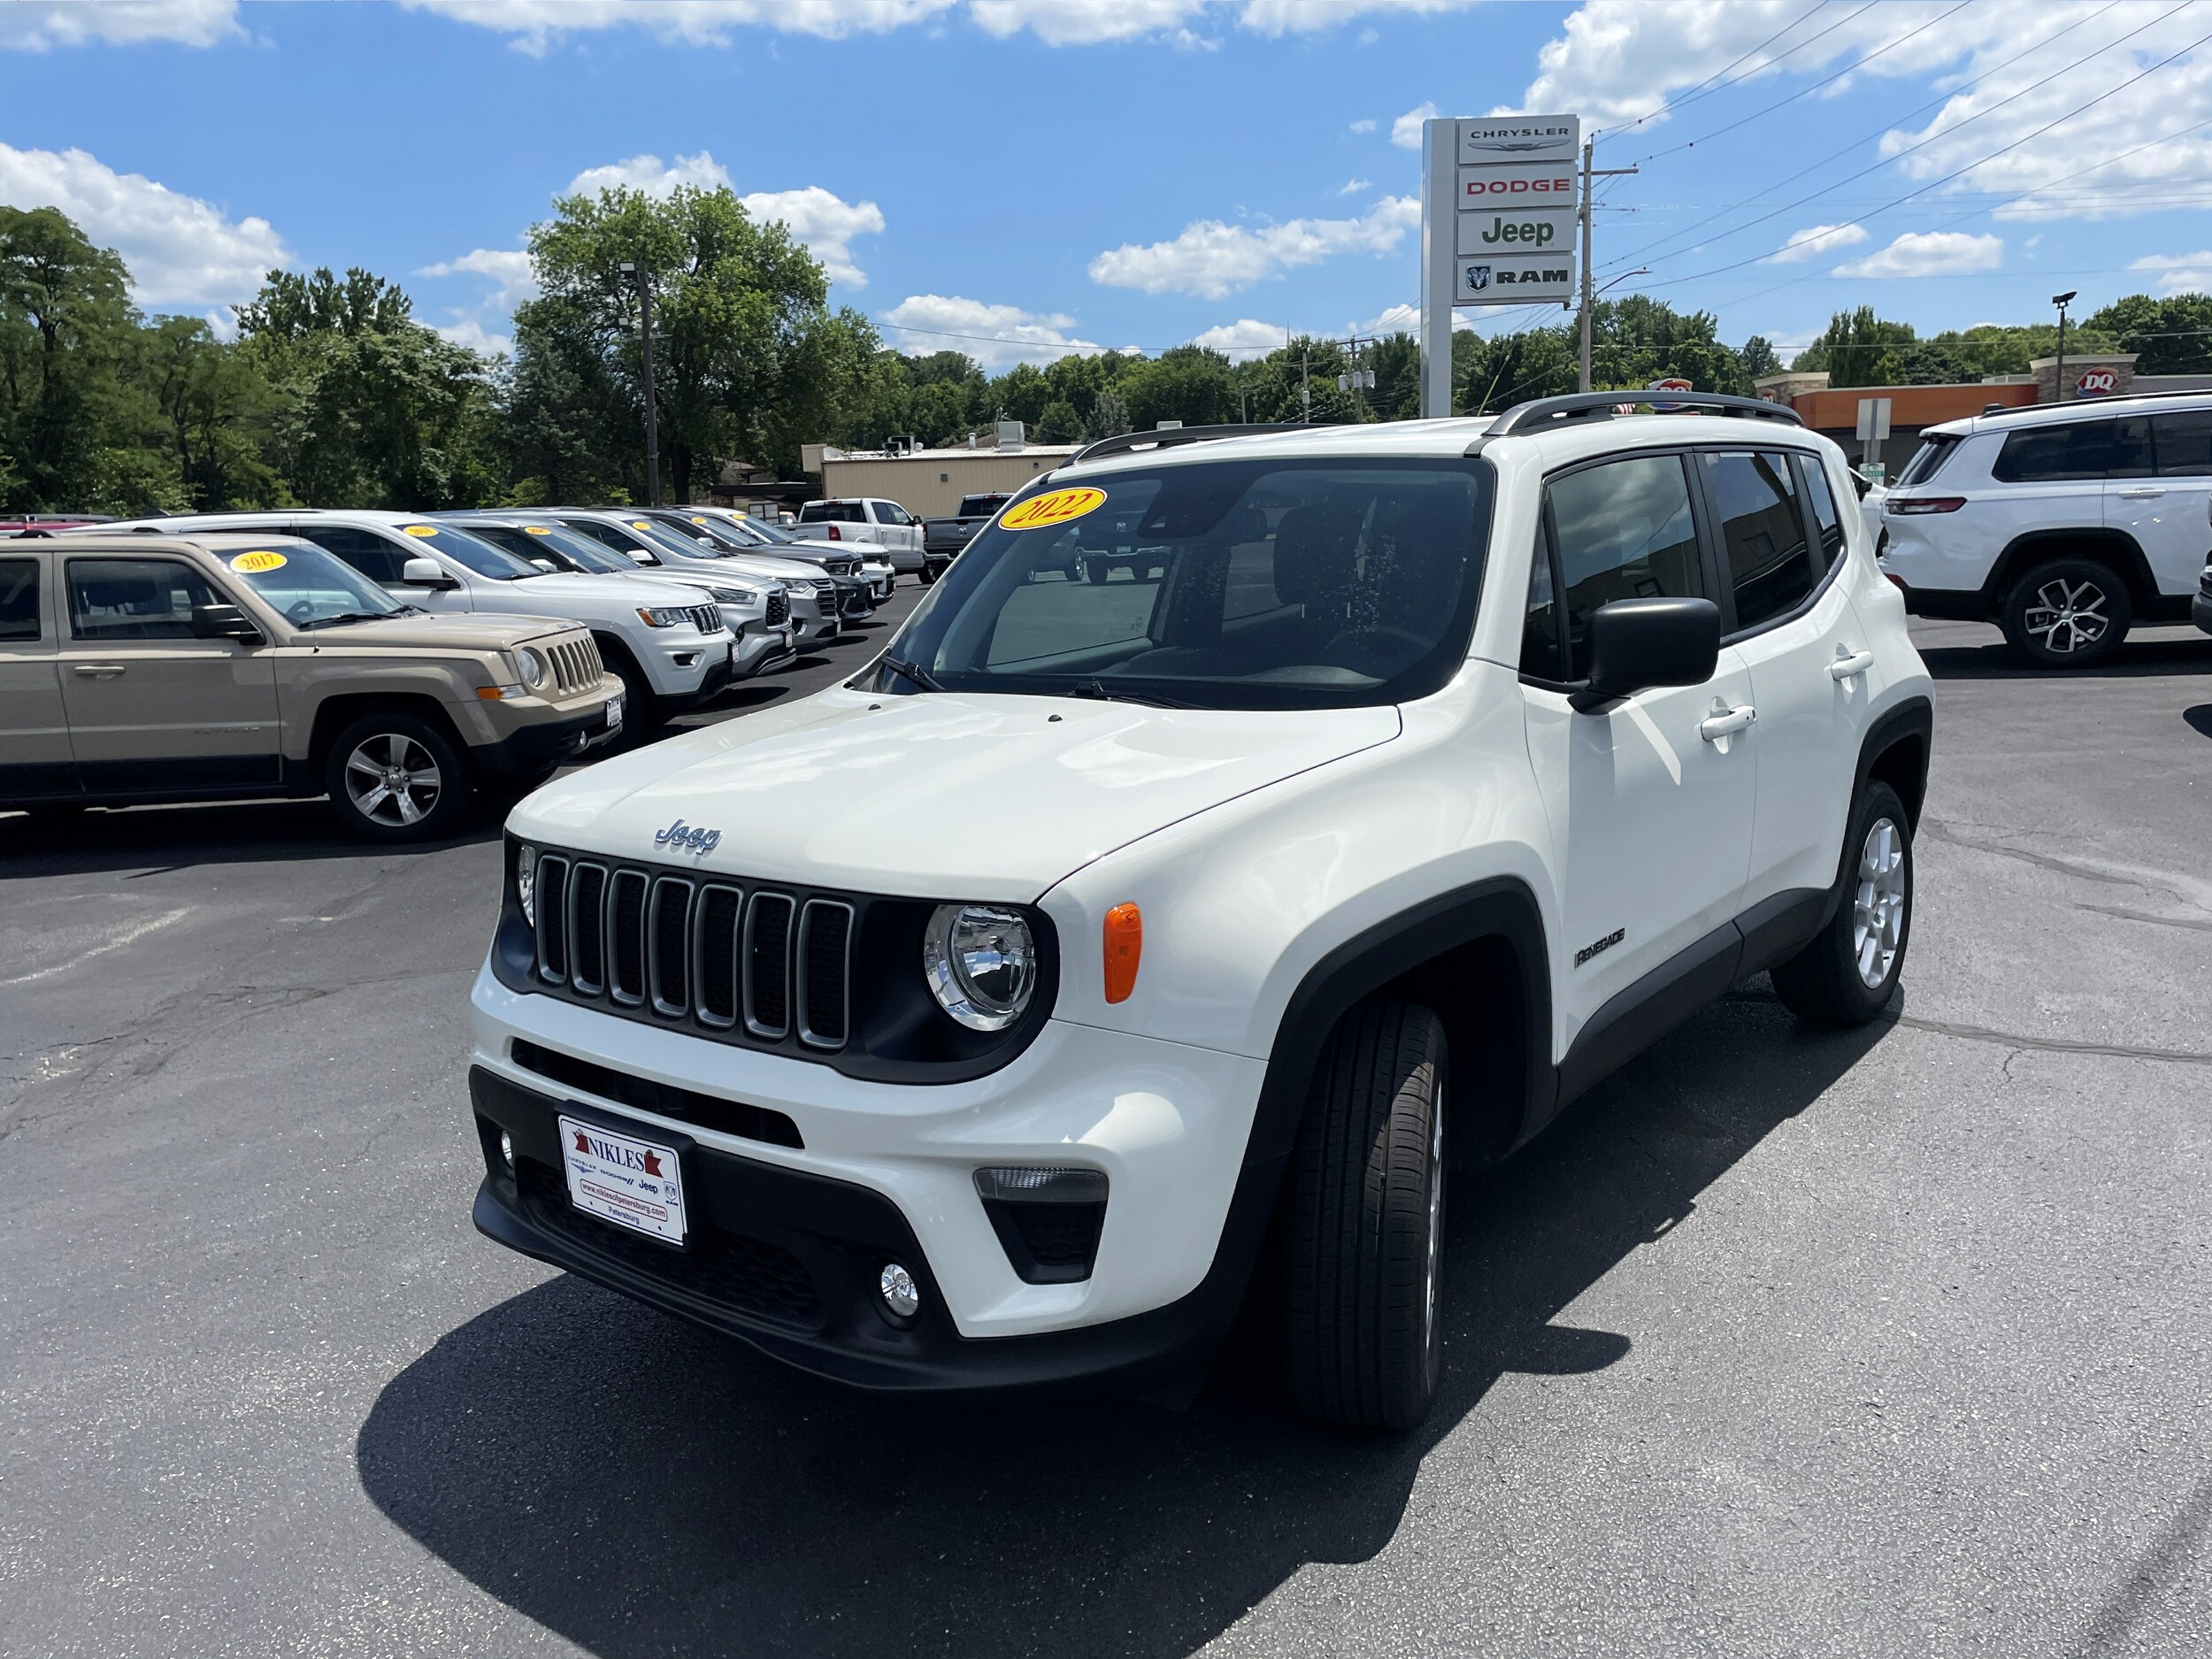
x=1098, y=691
x=346, y=616
x=920, y=676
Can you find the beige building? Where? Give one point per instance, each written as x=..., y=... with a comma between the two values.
x=929, y=483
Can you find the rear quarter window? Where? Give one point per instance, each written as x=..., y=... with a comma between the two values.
x=19, y=600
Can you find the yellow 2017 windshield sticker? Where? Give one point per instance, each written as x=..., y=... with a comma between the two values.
x=257, y=564
x=419, y=529
x=1054, y=507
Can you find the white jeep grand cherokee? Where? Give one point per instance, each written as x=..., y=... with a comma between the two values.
x=1110, y=944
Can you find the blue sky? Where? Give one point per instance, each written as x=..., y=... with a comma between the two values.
x=1056, y=174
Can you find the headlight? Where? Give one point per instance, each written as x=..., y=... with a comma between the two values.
x=535, y=669
x=663, y=617
x=734, y=596
x=981, y=964
x=526, y=883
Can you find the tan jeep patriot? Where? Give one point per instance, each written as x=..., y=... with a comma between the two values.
x=135, y=668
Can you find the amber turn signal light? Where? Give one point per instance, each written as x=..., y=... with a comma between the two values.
x=1124, y=944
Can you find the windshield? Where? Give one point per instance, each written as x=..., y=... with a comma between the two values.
x=473, y=552
x=309, y=588
x=1224, y=585
x=557, y=545
x=674, y=544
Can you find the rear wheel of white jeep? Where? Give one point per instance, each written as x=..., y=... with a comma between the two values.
x=1364, y=1227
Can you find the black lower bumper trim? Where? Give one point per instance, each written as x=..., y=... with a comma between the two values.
x=539, y=748
x=790, y=1262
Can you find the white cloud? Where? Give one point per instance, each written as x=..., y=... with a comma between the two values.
x=2179, y=272
x=1355, y=186
x=476, y=337
x=1214, y=260
x=1405, y=132
x=536, y=24
x=1929, y=253
x=182, y=253
x=1368, y=37
x=1365, y=124
x=994, y=335
x=826, y=222
x=1816, y=240
x=39, y=25
x=509, y=267
x=1244, y=337
x=652, y=175
x=1392, y=320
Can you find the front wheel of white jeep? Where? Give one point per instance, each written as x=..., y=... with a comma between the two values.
x=1364, y=1230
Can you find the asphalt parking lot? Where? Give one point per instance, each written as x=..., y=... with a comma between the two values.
x=1889, y=1342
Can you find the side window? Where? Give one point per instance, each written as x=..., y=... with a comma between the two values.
x=814, y=512
x=1827, y=520
x=621, y=541
x=1623, y=531
x=2185, y=442
x=134, y=599
x=1761, y=532
x=2040, y=455
x=19, y=600
x=368, y=552
x=2131, y=455
x=849, y=512
x=1539, y=633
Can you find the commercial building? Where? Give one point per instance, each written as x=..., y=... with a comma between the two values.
x=1834, y=411
x=929, y=483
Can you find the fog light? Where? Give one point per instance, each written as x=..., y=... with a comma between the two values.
x=507, y=1150
x=901, y=1295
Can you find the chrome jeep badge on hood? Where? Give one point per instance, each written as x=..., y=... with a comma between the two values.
x=678, y=838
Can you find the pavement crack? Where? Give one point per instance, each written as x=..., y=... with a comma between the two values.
x=2192, y=923
x=1935, y=829
x=2053, y=1045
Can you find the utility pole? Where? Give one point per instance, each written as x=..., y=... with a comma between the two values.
x=1305, y=382
x=1589, y=293
x=652, y=413
x=2058, y=375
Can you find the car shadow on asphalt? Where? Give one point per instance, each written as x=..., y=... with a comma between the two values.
x=644, y=1487
x=2136, y=658
x=181, y=837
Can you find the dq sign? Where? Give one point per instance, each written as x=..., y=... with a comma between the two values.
x=2095, y=382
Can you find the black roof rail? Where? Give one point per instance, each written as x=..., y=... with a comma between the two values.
x=1169, y=438
x=1604, y=405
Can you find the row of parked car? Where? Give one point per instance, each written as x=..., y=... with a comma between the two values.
x=398, y=663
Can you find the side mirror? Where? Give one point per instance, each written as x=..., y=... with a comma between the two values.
x=1637, y=644
x=1861, y=482
x=226, y=622
x=425, y=573
x=547, y=566
x=641, y=556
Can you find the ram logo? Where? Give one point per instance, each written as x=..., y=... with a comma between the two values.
x=1478, y=277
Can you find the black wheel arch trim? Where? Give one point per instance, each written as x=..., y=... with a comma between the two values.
x=2099, y=544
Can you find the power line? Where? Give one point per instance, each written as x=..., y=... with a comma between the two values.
x=1886, y=126
x=1969, y=166
x=1713, y=83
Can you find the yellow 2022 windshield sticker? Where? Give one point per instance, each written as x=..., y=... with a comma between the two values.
x=1054, y=507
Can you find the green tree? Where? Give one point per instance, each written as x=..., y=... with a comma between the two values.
x=2169, y=337
x=1759, y=357
x=1858, y=348
x=216, y=409
x=1189, y=384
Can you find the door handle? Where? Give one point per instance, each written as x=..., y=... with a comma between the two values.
x=1726, y=722
x=96, y=671
x=2141, y=492
x=1849, y=665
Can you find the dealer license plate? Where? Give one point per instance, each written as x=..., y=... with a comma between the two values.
x=634, y=1184
x=614, y=712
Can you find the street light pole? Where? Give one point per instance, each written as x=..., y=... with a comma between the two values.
x=2058, y=375
x=652, y=413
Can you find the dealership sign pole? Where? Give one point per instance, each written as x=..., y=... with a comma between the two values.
x=1498, y=221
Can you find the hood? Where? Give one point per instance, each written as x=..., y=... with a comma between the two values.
x=449, y=630
x=942, y=795
x=645, y=588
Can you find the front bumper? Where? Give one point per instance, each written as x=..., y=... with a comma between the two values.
x=718, y=675
x=531, y=750
x=1167, y=1123
x=759, y=649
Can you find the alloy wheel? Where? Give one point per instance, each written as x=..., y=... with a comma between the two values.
x=393, y=781
x=2067, y=617
x=1877, y=904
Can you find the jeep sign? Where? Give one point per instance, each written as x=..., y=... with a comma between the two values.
x=1545, y=229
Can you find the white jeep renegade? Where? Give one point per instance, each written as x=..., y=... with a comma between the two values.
x=1249, y=826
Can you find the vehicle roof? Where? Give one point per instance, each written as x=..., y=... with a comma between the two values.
x=2060, y=414
x=1555, y=443
x=104, y=539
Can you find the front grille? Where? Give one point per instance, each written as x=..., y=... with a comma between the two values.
x=706, y=618
x=575, y=665
x=710, y=954
x=752, y=1275
x=778, y=610
x=824, y=585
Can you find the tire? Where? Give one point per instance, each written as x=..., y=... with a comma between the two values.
x=375, y=748
x=2067, y=613
x=1846, y=975
x=1096, y=570
x=1364, y=1230
x=641, y=710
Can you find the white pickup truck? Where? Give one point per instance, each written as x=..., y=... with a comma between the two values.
x=866, y=519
